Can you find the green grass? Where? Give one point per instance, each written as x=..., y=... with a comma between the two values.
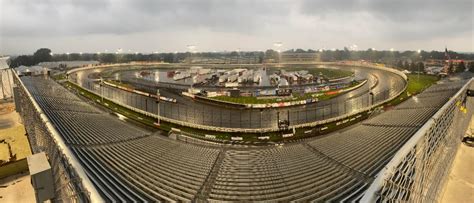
x=114, y=107
x=416, y=84
x=120, y=84
x=197, y=133
x=254, y=100
x=141, y=118
x=222, y=136
x=60, y=76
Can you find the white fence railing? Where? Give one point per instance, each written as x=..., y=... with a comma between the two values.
x=419, y=169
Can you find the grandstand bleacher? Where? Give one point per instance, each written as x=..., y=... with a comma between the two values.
x=127, y=163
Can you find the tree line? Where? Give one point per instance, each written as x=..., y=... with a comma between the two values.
x=388, y=57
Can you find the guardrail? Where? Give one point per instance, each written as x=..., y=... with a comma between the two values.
x=419, y=169
x=281, y=104
x=324, y=113
x=71, y=182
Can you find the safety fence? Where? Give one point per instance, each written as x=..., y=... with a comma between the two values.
x=71, y=183
x=221, y=118
x=419, y=169
x=218, y=116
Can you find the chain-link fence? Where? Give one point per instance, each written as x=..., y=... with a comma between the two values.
x=69, y=181
x=419, y=169
x=220, y=116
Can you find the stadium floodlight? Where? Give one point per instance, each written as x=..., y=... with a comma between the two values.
x=191, y=47
x=353, y=47
x=158, y=107
x=278, y=45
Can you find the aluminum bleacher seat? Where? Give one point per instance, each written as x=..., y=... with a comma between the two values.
x=129, y=164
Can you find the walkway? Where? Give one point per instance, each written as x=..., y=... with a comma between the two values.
x=460, y=184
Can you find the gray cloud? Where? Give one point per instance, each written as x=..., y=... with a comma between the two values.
x=403, y=19
x=225, y=24
x=128, y=16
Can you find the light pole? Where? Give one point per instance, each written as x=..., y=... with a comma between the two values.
x=102, y=89
x=392, y=56
x=278, y=46
x=418, y=76
x=158, y=107
x=238, y=55
x=191, y=48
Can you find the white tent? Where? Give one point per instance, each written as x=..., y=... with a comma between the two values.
x=31, y=70
x=68, y=64
x=6, y=79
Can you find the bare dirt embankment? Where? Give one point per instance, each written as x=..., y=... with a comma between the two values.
x=14, y=145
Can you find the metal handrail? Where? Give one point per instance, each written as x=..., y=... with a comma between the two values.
x=388, y=170
x=94, y=194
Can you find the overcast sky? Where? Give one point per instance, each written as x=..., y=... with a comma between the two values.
x=217, y=25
